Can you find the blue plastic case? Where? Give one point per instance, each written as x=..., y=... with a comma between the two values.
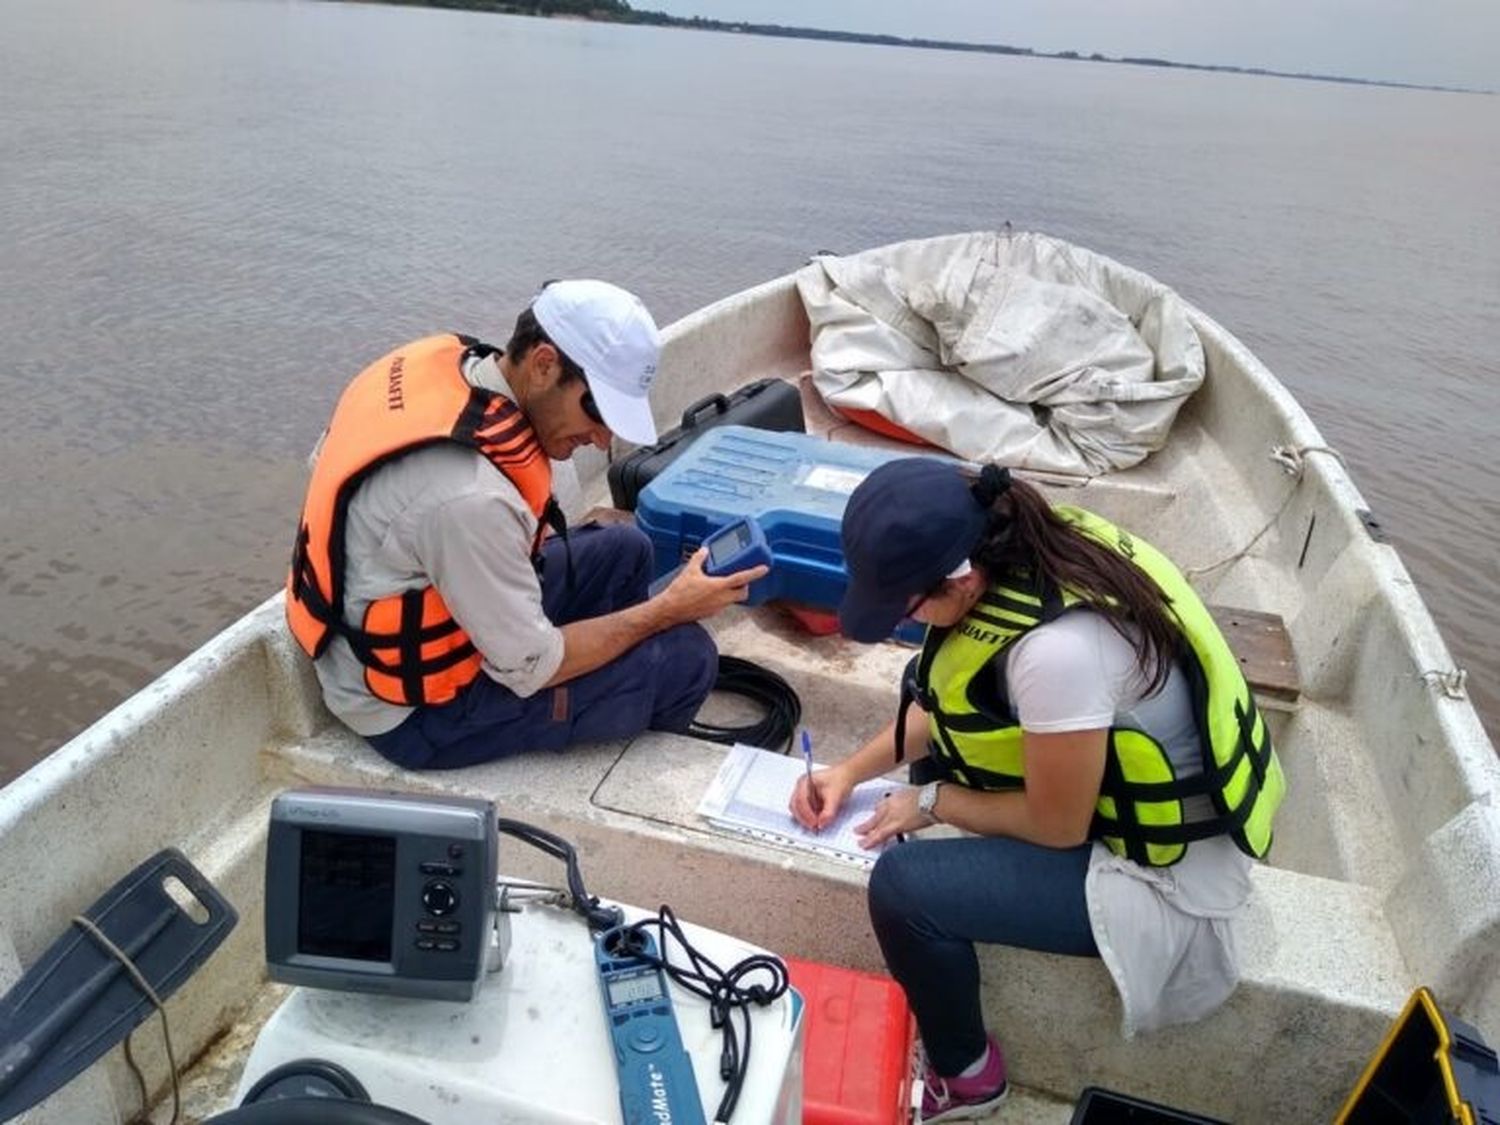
x=795, y=486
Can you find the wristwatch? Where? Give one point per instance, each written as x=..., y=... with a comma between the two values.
x=927, y=801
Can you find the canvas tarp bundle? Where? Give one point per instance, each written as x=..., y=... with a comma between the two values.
x=1013, y=348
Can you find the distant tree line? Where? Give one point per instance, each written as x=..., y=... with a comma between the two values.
x=619, y=11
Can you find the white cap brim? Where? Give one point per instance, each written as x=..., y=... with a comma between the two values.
x=626, y=416
x=607, y=331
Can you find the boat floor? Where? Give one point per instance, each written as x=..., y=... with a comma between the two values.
x=1303, y=1022
x=630, y=808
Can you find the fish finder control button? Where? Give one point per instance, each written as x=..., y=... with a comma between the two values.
x=439, y=898
x=448, y=869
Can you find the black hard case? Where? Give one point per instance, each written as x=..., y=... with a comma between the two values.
x=767, y=404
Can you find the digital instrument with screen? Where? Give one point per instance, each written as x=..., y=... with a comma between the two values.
x=740, y=545
x=380, y=892
x=654, y=1070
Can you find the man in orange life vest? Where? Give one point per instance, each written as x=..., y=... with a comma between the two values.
x=445, y=626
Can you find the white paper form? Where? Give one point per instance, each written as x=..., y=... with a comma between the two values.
x=750, y=794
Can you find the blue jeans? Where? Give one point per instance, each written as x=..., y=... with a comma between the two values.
x=659, y=684
x=931, y=900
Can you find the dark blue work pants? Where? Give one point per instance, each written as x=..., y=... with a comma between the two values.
x=931, y=900
x=659, y=684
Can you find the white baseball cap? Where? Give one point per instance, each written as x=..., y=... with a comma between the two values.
x=609, y=333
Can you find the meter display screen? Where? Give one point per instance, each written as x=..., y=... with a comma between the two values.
x=634, y=990
x=722, y=548
x=346, y=895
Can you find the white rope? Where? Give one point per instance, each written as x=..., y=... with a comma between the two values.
x=1453, y=682
x=1293, y=460
x=145, y=986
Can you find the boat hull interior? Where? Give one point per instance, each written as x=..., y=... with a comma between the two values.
x=1385, y=874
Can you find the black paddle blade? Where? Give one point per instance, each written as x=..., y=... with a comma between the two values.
x=78, y=1001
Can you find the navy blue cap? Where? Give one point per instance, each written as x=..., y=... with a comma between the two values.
x=908, y=525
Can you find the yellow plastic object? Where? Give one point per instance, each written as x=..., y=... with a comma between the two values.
x=1428, y=1071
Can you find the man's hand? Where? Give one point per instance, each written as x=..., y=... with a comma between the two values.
x=693, y=595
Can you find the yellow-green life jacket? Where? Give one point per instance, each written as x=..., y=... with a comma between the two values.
x=976, y=742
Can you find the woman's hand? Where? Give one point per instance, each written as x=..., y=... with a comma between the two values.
x=816, y=799
x=895, y=816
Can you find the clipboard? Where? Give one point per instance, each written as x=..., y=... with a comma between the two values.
x=749, y=796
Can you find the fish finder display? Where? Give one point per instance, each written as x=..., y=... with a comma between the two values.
x=346, y=895
x=375, y=891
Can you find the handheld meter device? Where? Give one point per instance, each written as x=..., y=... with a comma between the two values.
x=369, y=891
x=657, y=1086
x=736, y=547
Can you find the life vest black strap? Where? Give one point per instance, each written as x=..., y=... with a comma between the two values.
x=473, y=346
x=972, y=723
x=372, y=649
x=372, y=658
x=911, y=692
x=410, y=646
x=953, y=767
x=1053, y=603
x=1215, y=776
x=902, y=710
x=1260, y=756
x=304, y=589
x=376, y=638
x=1126, y=825
x=1225, y=824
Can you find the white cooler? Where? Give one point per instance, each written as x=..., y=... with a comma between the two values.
x=532, y=1045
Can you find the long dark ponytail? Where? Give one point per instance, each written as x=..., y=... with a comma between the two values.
x=1024, y=531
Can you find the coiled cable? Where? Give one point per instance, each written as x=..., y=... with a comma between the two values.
x=783, y=708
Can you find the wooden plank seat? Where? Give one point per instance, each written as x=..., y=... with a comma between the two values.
x=1260, y=642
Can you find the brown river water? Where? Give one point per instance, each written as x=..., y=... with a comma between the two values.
x=214, y=212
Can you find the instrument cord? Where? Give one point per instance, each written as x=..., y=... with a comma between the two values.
x=782, y=707
x=726, y=992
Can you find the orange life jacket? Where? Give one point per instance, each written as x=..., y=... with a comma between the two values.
x=412, y=649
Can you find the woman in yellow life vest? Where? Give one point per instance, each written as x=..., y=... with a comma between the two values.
x=1075, y=712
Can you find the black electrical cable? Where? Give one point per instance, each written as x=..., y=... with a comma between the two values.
x=726, y=992
x=783, y=709
x=598, y=917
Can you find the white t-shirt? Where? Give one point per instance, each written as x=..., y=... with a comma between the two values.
x=1079, y=673
x=1165, y=933
x=444, y=516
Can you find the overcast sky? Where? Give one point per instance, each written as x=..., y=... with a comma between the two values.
x=1439, y=42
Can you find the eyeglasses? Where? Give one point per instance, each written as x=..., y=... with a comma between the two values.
x=936, y=588
x=919, y=600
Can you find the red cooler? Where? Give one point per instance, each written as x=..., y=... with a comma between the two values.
x=857, y=1056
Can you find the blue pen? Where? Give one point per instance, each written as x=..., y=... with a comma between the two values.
x=812, y=792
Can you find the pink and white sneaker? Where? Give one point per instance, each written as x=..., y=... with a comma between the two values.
x=958, y=1099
